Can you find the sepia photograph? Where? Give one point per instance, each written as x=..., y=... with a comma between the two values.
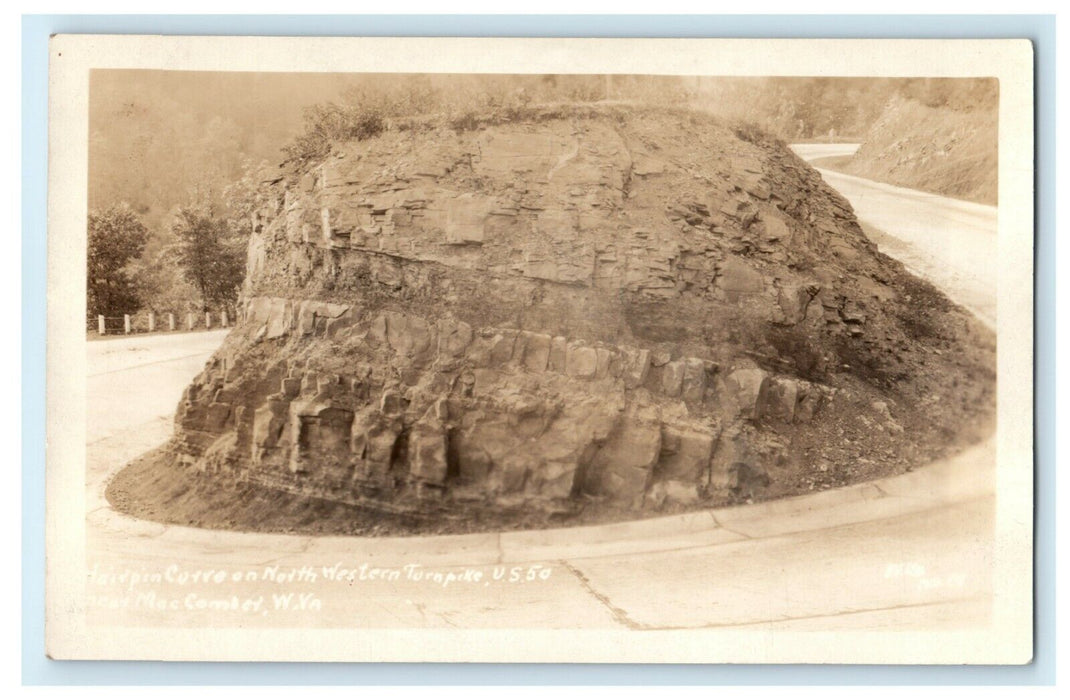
x=541, y=363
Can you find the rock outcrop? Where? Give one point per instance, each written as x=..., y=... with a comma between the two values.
x=630, y=306
x=949, y=151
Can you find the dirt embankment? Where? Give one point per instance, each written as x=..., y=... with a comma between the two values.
x=952, y=152
x=573, y=316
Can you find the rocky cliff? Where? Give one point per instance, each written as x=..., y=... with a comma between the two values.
x=588, y=305
x=953, y=152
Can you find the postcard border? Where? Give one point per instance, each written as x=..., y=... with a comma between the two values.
x=36, y=31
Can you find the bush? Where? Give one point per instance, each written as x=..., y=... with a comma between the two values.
x=468, y=121
x=331, y=122
x=465, y=103
x=751, y=133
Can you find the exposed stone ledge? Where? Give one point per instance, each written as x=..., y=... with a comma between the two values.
x=518, y=416
x=420, y=343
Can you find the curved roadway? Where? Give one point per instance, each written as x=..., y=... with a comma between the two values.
x=908, y=553
x=948, y=241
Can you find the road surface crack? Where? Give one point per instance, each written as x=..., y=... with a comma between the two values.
x=724, y=527
x=882, y=492
x=619, y=614
x=822, y=615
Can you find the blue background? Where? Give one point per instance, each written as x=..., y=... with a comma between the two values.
x=37, y=669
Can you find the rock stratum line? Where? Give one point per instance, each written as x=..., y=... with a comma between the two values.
x=616, y=308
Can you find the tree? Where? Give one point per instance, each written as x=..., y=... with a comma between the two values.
x=116, y=239
x=244, y=196
x=211, y=256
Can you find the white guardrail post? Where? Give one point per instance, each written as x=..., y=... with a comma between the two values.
x=191, y=320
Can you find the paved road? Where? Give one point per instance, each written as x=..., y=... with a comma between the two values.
x=122, y=367
x=948, y=241
x=902, y=554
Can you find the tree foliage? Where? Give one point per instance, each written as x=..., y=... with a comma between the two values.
x=803, y=108
x=245, y=195
x=461, y=102
x=116, y=238
x=156, y=136
x=210, y=254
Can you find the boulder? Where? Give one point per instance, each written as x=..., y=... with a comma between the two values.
x=218, y=413
x=636, y=366
x=775, y=229
x=502, y=347
x=454, y=338
x=685, y=453
x=778, y=398
x=673, y=493
x=738, y=278
x=466, y=217
x=321, y=439
x=581, y=361
x=603, y=359
x=693, y=387
x=744, y=386
x=268, y=423
x=558, y=354
x=373, y=439
x=672, y=378
x=427, y=449
x=535, y=350
x=411, y=337
x=621, y=469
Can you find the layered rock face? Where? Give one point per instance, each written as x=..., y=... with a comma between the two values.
x=631, y=306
